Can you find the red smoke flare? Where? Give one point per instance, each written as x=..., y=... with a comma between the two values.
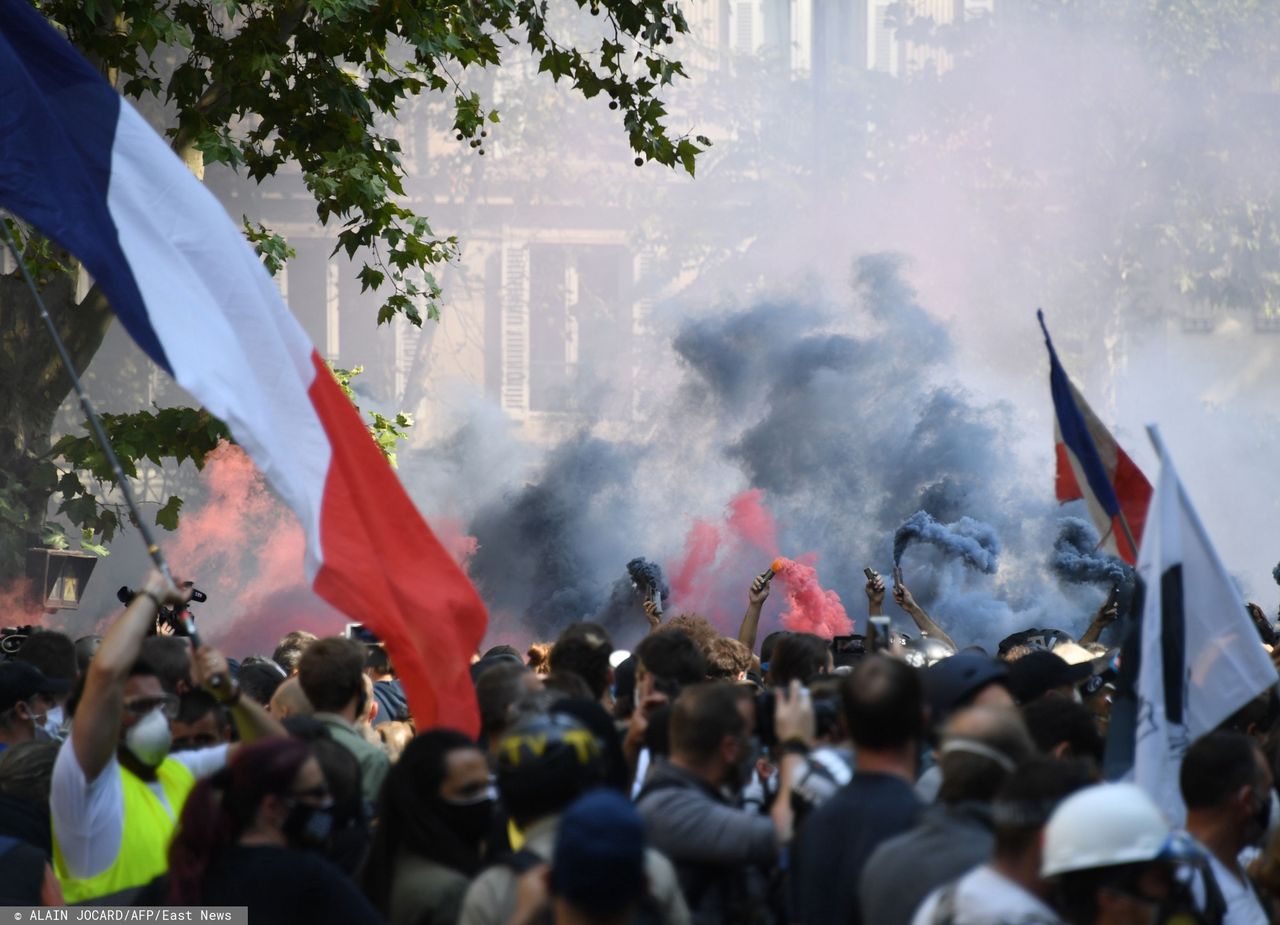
x=750, y=521
x=810, y=607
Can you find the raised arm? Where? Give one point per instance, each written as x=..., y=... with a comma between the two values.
x=252, y=721
x=1106, y=615
x=756, y=596
x=95, y=730
x=922, y=620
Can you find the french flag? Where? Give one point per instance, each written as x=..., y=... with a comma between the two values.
x=1092, y=466
x=79, y=163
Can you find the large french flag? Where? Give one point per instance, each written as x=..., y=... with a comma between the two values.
x=78, y=162
x=1092, y=466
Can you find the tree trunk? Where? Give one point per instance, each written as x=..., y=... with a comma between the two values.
x=35, y=385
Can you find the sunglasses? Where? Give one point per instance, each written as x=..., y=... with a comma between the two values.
x=141, y=706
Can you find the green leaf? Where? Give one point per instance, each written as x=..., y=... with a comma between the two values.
x=167, y=516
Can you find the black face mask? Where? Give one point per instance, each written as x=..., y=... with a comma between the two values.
x=309, y=827
x=469, y=819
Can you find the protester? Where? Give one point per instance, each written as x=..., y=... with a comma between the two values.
x=288, y=652
x=1042, y=673
x=26, y=698
x=201, y=722
x=538, y=657
x=544, y=764
x=436, y=808
x=884, y=711
x=55, y=655
x=584, y=649
x=116, y=790
x=393, y=707
x=25, y=772
x=597, y=874
x=348, y=845
x=170, y=659
x=981, y=748
x=799, y=657
x=1064, y=729
x=728, y=660
x=259, y=677
x=498, y=689
x=1110, y=859
x=1226, y=784
x=290, y=700
x=1009, y=890
x=332, y=676
x=965, y=679
x=248, y=837
x=722, y=852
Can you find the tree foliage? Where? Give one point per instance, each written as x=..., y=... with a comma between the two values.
x=312, y=87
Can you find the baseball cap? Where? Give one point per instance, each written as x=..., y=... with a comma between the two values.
x=21, y=681
x=1037, y=673
x=599, y=858
x=950, y=682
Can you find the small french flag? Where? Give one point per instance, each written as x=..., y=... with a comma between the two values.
x=78, y=162
x=1092, y=466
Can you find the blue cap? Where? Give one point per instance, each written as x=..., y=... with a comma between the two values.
x=599, y=859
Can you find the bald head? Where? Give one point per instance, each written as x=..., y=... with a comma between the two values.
x=289, y=700
x=981, y=747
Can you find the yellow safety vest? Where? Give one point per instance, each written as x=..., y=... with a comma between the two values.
x=144, y=837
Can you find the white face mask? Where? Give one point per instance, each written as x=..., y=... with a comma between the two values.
x=149, y=738
x=53, y=725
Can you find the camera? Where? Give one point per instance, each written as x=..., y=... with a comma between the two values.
x=172, y=617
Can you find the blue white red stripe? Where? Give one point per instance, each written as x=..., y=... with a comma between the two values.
x=78, y=162
x=1093, y=467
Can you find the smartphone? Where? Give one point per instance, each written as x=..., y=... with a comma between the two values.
x=359, y=633
x=880, y=638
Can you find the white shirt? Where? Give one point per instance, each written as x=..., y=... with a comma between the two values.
x=1243, y=906
x=88, y=816
x=984, y=896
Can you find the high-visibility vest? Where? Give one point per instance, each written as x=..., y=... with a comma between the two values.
x=144, y=837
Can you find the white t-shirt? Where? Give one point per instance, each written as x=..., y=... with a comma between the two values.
x=984, y=896
x=1243, y=906
x=88, y=816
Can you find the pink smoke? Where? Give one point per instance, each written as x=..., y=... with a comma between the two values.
x=810, y=607
x=243, y=547
x=751, y=521
x=720, y=561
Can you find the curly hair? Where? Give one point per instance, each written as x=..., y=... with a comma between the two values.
x=538, y=658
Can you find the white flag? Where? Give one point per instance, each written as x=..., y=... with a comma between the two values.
x=1201, y=656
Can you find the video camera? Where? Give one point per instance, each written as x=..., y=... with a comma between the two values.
x=174, y=618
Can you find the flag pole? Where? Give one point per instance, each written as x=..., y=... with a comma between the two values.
x=95, y=423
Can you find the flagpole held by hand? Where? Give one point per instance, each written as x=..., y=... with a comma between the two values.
x=95, y=424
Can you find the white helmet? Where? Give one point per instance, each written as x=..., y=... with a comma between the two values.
x=1103, y=826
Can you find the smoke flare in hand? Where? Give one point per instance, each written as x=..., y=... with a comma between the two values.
x=810, y=607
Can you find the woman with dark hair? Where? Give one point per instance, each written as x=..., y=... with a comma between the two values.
x=248, y=837
x=436, y=808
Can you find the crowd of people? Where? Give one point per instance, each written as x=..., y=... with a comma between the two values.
x=887, y=780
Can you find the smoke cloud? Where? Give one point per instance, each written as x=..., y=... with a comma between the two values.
x=1076, y=557
x=969, y=540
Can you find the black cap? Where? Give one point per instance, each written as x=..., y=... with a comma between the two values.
x=952, y=681
x=1037, y=673
x=21, y=681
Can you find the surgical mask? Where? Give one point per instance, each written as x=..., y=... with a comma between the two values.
x=53, y=723
x=468, y=819
x=148, y=739
x=309, y=826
